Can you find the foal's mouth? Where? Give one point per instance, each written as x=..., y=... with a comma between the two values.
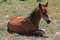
x=48, y=21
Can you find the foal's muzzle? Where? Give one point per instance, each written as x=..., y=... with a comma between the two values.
x=47, y=20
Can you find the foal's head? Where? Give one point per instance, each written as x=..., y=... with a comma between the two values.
x=44, y=12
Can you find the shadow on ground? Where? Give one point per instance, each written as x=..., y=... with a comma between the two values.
x=38, y=0
x=30, y=35
x=25, y=34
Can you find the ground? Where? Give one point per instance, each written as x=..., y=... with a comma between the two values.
x=23, y=8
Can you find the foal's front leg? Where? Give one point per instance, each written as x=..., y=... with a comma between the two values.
x=39, y=33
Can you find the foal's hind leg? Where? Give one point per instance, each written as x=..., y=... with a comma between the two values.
x=9, y=31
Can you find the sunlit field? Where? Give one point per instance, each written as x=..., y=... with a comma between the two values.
x=12, y=8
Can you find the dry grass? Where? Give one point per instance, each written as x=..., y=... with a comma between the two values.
x=23, y=8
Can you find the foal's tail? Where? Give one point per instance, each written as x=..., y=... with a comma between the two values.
x=9, y=28
x=8, y=25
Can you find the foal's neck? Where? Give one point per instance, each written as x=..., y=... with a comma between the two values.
x=35, y=16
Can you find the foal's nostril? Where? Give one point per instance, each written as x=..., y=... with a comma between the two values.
x=48, y=21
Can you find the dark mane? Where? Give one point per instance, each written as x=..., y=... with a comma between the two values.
x=32, y=13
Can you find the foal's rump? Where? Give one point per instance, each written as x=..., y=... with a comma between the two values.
x=17, y=19
x=15, y=23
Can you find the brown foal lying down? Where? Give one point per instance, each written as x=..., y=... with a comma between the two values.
x=30, y=24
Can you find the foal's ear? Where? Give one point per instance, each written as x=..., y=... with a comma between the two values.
x=46, y=4
x=40, y=5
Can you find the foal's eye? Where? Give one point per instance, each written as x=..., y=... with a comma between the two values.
x=44, y=13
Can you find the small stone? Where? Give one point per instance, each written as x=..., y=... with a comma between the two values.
x=57, y=33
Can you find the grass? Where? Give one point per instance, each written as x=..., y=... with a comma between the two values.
x=23, y=8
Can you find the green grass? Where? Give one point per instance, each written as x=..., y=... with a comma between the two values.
x=12, y=8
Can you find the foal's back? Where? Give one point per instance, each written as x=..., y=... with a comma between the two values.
x=20, y=24
x=16, y=19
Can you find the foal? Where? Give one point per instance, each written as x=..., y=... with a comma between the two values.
x=29, y=25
